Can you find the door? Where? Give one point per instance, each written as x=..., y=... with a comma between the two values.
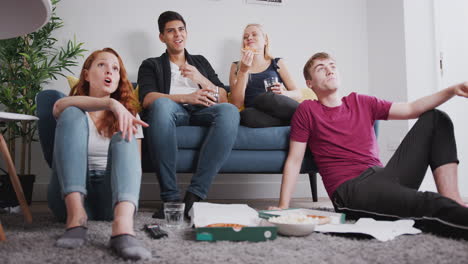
x=451, y=21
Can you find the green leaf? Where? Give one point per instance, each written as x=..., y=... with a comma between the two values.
x=27, y=64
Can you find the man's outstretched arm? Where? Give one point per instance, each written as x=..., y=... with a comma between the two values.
x=291, y=170
x=414, y=109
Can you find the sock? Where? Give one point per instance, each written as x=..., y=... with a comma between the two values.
x=128, y=247
x=72, y=238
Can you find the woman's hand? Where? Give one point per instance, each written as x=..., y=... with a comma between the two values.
x=127, y=122
x=246, y=61
x=278, y=88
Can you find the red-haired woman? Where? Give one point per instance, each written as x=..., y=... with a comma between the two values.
x=96, y=154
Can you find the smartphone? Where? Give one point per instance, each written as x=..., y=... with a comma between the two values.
x=155, y=231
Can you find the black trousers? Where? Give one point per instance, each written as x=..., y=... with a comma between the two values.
x=269, y=109
x=392, y=192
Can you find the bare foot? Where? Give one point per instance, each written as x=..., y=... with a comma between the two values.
x=122, y=226
x=76, y=214
x=123, y=219
x=75, y=221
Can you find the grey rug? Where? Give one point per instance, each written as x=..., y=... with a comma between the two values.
x=34, y=244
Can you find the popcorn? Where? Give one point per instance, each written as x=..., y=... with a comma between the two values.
x=293, y=219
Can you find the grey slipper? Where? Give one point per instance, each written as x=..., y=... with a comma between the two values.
x=72, y=238
x=128, y=247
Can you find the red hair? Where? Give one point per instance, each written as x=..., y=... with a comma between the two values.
x=124, y=93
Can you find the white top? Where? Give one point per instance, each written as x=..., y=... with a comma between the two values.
x=180, y=84
x=98, y=146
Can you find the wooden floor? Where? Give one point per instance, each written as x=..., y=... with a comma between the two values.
x=260, y=204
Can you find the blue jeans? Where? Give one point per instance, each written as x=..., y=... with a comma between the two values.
x=164, y=115
x=102, y=189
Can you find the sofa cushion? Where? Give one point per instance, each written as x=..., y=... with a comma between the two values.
x=269, y=138
x=242, y=161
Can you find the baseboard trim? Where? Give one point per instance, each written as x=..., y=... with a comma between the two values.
x=219, y=190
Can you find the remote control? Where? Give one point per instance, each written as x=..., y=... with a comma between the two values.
x=155, y=231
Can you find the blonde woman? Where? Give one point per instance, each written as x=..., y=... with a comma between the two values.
x=263, y=107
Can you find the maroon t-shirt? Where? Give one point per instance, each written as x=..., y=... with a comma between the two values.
x=341, y=139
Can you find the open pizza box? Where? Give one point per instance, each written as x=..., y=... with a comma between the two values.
x=233, y=222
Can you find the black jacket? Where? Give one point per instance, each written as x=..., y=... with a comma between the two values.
x=154, y=74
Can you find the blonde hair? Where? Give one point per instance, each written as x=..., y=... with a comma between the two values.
x=266, y=51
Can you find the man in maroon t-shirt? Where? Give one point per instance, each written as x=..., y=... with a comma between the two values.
x=339, y=133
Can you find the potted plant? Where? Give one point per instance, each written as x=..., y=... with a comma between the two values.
x=27, y=63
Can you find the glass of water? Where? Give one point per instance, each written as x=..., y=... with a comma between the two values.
x=174, y=214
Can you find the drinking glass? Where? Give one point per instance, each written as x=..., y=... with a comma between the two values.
x=270, y=82
x=174, y=214
x=215, y=93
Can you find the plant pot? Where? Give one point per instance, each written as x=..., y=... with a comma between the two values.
x=7, y=193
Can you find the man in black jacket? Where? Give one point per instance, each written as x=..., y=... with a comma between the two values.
x=178, y=89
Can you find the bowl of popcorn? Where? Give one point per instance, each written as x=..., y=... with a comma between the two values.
x=294, y=224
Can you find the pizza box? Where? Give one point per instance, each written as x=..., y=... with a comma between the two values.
x=336, y=218
x=263, y=232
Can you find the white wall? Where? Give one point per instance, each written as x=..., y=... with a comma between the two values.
x=452, y=23
x=297, y=30
x=405, y=40
x=387, y=66
x=421, y=59
x=385, y=48
x=131, y=28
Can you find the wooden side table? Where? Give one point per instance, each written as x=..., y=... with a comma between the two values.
x=4, y=116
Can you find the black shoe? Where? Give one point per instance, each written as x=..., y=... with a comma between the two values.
x=159, y=214
x=189, y=199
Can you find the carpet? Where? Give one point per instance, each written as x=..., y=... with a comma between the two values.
x=35, y=244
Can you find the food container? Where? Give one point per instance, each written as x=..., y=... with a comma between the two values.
x=265, y=231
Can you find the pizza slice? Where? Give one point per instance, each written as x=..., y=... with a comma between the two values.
x=226, y=225
x=253, y=50
x=321, y=219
